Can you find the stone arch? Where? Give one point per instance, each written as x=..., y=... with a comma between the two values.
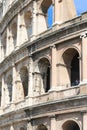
x=44, y=57
x=70, y=125
x=24, y=80
x=28, y=23
x=41, y=127
x=44, y=69
x=9, y=86
x=71, y=66
x=42, y=75
x=45, y=4
x=71, y=47
x=44, y=7
x=22, y=128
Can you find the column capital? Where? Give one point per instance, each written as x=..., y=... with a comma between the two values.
x=30, y=55
x=52, y=46
x=52, y=116
x=30, y=52
x=13, y=64
x=22, y=25
x=83, y=35
x=83, y=112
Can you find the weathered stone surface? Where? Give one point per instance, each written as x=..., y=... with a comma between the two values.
x=43, y=72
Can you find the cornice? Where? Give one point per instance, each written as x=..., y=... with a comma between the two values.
x=48, y=38
x=50, y=109
x=7, y=63
x=56, y=37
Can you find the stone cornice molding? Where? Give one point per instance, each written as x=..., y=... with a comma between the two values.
x=50, y=37
x=9, y=61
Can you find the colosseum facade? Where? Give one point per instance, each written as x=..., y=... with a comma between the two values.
x=43, y=71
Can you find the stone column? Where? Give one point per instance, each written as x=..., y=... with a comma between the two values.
x=11, y=46
x=30, y=82
x=63, y=10
x=23, y=33
x=41, y=19
x=53, y=67
x=29, y=125
x=84, y=121
x=3, y=92
x=21, y=30
x=52, y=122
x=34, y=19
x=11, y=127
x=4, y=7
x=84, y=57
x=8, y=43
x=19, y=90
x=14, y=84
x=18, y=31
x=57, y=11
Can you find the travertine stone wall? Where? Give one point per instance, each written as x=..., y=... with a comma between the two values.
x=39, y=66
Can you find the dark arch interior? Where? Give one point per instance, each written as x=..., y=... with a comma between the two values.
x=24, y=79
x=75, y=70
x=45, y=5
x=9, y=84
x=42, y=127
x=48, y=79
x=44, y=67
x=71, y=60
x=71, y=125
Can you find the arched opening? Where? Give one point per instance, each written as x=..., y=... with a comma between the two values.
x=47, y=9
x=44, y=68
x=71, y=66
x=14, y=33
x=48, y=79
x=3, y=40
x=24, y=80
x=9, y=87
x=75, y=70
x=41, y=127
x=50, y=16
x=70, y=125
x=28, y=24
x=22, y=128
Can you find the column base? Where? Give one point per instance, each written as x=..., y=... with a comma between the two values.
x=32, y=37
x=57, y=23
x=53, y=88
x=57, y=88
x=84, y=82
